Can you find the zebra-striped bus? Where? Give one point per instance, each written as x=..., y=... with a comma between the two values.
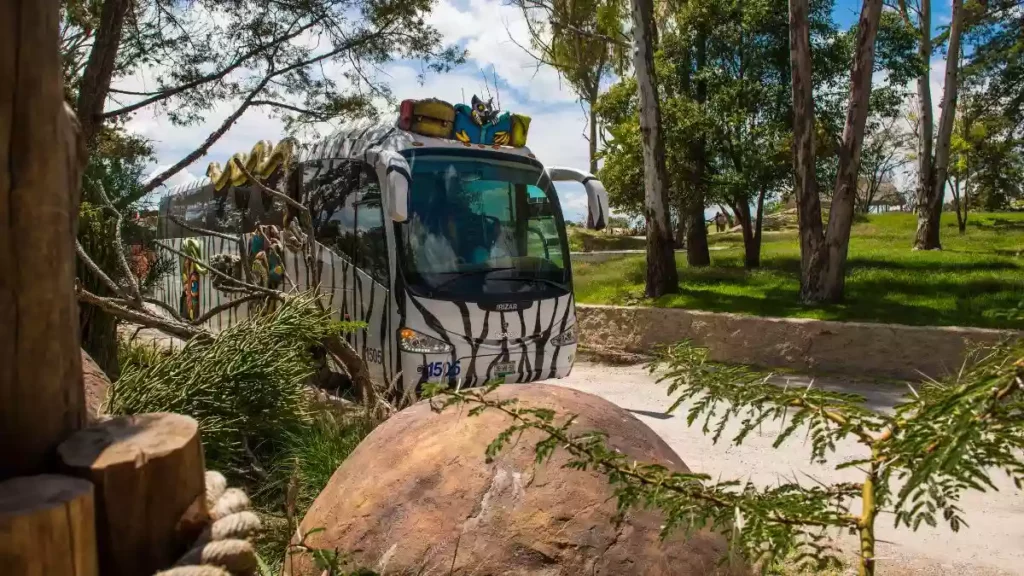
x=454, y=255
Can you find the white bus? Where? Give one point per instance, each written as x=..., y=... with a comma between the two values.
x=454, y=255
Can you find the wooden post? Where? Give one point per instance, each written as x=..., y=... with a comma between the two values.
x=150, y=488
x=41, y=396
x=47, y=527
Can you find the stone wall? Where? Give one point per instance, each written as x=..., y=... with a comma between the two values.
x=856, y=348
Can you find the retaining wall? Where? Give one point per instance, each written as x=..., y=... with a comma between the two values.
x=855, y=348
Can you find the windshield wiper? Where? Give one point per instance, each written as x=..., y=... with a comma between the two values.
x=462, y=274
x=534, y=279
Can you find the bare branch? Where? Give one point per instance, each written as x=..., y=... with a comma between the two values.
x=212, y=77
x=98, y=272
x=226, y=306
x=303, y=210
x=317, y=116
x=202, y=231
x=210, y=141
x=133, y=284
x=163, y=305
x=120, y=309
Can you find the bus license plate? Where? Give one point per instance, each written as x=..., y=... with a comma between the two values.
x=503, y=368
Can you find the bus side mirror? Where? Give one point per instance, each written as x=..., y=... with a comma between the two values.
x=597, y=196
x=398, y=181
x=597, y=203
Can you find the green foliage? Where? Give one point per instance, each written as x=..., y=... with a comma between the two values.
x=955, y=434
x=245, y=388
x=573, y=37
x=258, y=425
x=311, y=456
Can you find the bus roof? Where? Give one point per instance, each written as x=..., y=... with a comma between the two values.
x=356, y=138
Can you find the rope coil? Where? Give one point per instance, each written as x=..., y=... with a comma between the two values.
x=222, y=549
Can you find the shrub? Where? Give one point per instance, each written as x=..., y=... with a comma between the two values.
x=245, y=388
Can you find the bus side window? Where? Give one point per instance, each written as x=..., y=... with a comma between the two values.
x=373, y=248
x=198, y=205
x=330, y=194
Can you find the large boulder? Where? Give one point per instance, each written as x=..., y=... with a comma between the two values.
x=418, y=497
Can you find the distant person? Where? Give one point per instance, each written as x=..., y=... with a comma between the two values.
x=721, y=222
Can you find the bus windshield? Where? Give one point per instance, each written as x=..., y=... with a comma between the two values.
x=482, y=226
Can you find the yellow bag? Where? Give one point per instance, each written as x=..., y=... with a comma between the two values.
x=520, y=128
x=432, y=117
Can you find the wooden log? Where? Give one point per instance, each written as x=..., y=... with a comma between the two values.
x=41, y=154
x=47, y=526
x=150, y=489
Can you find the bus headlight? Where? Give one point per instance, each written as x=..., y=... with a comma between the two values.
x=565, y=338
x=410, y=340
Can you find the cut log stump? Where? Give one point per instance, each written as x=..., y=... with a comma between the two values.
x=150, y=490
x=47, y=526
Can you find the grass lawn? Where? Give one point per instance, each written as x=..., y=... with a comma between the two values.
x=977, y=280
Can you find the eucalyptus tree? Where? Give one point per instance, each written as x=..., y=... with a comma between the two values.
x=933, y=148
x=586, y=42
x=823, y=251
x=662, y=276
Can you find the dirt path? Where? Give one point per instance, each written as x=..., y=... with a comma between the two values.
x=992, y=544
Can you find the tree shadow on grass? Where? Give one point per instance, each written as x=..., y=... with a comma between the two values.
x=929, y=265
x=999, y=224
x=888, y=301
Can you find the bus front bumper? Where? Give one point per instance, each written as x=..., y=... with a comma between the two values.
x=509, y=367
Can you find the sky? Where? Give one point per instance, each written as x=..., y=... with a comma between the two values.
x=559, y=122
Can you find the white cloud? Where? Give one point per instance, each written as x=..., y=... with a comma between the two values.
x=495, y=34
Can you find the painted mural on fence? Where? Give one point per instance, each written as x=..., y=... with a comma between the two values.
x=191, y=271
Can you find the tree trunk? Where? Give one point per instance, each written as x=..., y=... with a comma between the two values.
x=593, y=150
x=662, y=277
x=837, y=236
x=751, y=253
x=808, y=205
x=823, y=254
x=697, y=253
x=927, y=236
x=48, y=526
x=758, y=228
x=954, y=185
x=593, y=132
x=150, y=488
x=945, y=135
x=750, y=226
x=99, y=69
x=680, y=235
x=41, y=395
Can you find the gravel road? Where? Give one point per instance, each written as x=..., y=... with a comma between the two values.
x=992, y=544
